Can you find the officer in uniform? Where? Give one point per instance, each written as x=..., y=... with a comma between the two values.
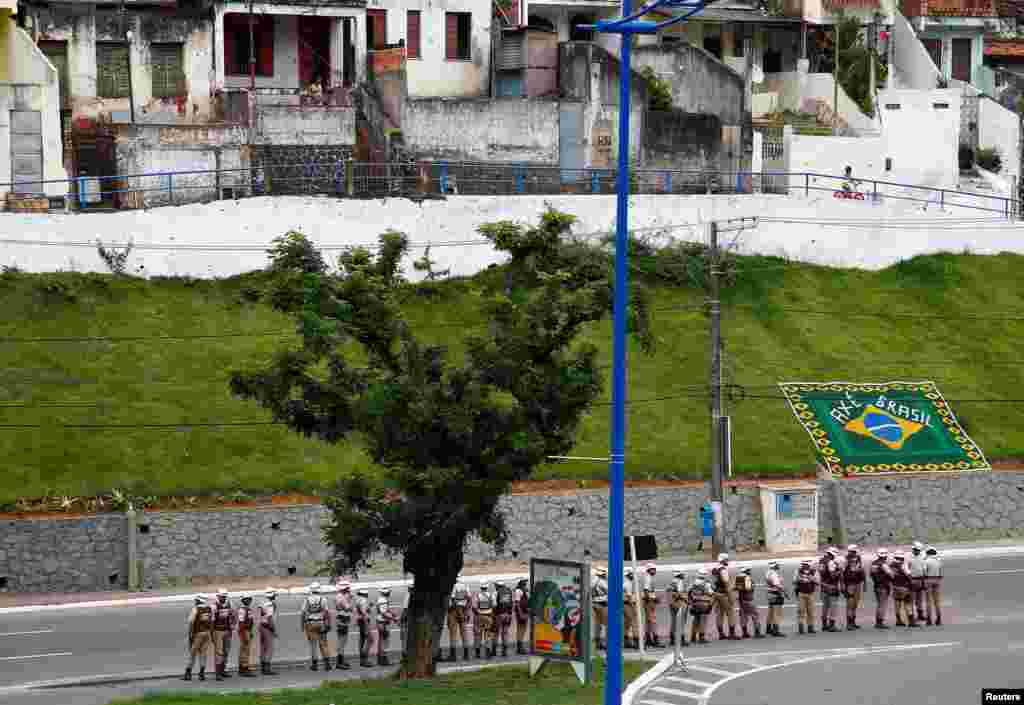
x=901, y=593
x=363, y=622
x=933, y=586
x=458, y=618
x=223, y=625
x=200, y=633
x=831, y=587
x=503, y=603
x=483, y=622
x=748, y=610
x=246, y=620
x=805, y=584
x=521, y=612
x=386, y=618
x=650, y=598
x=881, y=578
x=678, y=602
x=268, y=630
x=854, y=578
x=343, y=608
x=701, y=602
x=917, y=579
x=599, y=601
x=725, y=603
x=776, y=598
x=629, y=611
x=315, y=623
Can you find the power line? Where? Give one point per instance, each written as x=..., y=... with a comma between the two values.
x=884, y=314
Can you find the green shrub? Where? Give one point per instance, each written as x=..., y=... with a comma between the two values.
x=990, y=159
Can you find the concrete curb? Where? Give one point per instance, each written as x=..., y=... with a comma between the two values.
x=634, y=689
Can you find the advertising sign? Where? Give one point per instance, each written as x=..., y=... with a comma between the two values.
x=885, y=428
x=560, y=614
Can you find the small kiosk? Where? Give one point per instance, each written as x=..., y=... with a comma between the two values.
x=790, y=517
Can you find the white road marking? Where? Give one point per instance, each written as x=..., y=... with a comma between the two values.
x=689, y=681
x=23, y=658
x=37, y=631
x=709, y=669
x=997, y=572
x=655, y=702
x=677, y=693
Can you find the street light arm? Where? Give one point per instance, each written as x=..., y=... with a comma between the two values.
x=630, y=25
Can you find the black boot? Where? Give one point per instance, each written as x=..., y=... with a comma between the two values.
x=702, y=640
x=928, y=621
x=721, y=635
x=520, y=649
x=327, y=664
x=202, y=674
x=451, y=654
x=364, y=661
x=270, y=672
x=732, y=634
x=801, y=627
x=218, y=675
x=248, y=672
x=465, y=653
x=342, y=663
x=188, y=675
x=810, y=629
x=938, y=621
x=746, y=633
x=757, y=631
x=879, y=624
x=314, y=666
x=382, y=660
x=504, y=650
x=476, y=651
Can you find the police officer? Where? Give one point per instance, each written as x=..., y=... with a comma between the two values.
x=246, y=621
x=776, y=599
x=363, y=622
x=223, y=625
x=599, y=602
x=200, y=633
x=725, y=603
x=315, y=623
x=268, y=630
x=403, y=623
x=854, y=578
x=701, y=602
x=502, y=614
x=917, y=579
x=521, y=612
x=483, y=622
x=629, y=615
x=805, y=584
x=343, y=609
x=386, y=619
x=933, y=586
x=831, y=586
x=458, y=617
x=748, y=610
x=678, y=602
x=901, y=592
x=650, y=600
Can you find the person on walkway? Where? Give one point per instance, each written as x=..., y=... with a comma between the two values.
x=223, y=625
x=629, y=616
x=901, y=593
x=650, y=599
x=748, y=610
x=386, y=619
x=701, y=601
x=854, y=577
x=315, y=623
x=503, y=604
x=933, y=586
x=805, y=584
x=776, y=598
x=917, y=579
x=267, y=616
x=881, y=579
x=458, y=618
x=483, y=622
x=831, y=587
x=344, y=607
x=725, y=602
x=364, y=619
x=246, y=620
x=521, y=612
x=599, y=601
x=200, y=634
x=678, y=604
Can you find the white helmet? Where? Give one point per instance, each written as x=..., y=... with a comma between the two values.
x=680, y=574
x=315, y=588
x=830, y=552
x=484, y=588
x=385, y=591
x=649, y=567
x=852, y=548
x=745, y=570
x=883, y=553
x=200, y=600
x=602, y=573
x=363, y=592
x=918, y=546
x=774, y=565
x=806, y=561
x=498, y=584
x=344, y=585
x=702, y=571
x=271, y=593
x=382, y=600
x=899, y=556
x=246, y=597
x=723, y=556
x=629, y=572
x=222, y=593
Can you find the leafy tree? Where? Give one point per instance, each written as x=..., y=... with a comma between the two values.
x=855, y=62
x=659, y=90
x=448, y=434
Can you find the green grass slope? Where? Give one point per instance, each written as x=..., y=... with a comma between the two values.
x=943, y=324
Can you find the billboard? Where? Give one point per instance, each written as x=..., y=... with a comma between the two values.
x=560, y=613
x=882, y=428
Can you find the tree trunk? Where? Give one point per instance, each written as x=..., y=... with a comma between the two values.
x=435, y=569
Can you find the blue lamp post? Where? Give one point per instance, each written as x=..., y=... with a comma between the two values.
x=626, y=26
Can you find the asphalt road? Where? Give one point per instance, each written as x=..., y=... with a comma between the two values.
x=981, y=615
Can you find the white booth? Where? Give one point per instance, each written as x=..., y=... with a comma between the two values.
x=790, y=517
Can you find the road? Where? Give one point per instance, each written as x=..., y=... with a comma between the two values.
x=981, y=614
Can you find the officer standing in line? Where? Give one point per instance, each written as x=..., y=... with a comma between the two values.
x=502, y=614
x=831, y=587
x=363, y=619
x=483, y=622
x=701, y=602
x=599, y=603
x=901, y=586
x=200, y=633
x=223, y=625
x=629, y=611
x=678, y=602
x=917, y=579
x=725, y=603
x=805, y=584
x=521, y=612
x=343, y=608
x=315, y=623
x=458, y=618
x=650, y=598
x=881, y=578
x=246, y=621
x=854, y=578
x=748, y=610
x=776, y=599
x=933, y=585
x=386, y=618
x=268, y=630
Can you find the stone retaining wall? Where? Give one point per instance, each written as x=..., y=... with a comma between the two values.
x=90, y=553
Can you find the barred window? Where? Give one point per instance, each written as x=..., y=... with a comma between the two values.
x=112, y=70
x=168, y=76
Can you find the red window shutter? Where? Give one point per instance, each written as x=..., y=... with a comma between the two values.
x=379, y=20
x=264, y=33
x=451, y=32
x=229, y=46
x=412, y=34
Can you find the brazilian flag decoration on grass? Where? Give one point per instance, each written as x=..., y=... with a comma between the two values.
x=877, y=429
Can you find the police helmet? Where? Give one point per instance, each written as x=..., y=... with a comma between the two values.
x=363, y=592
x=806, y=561
x=200, y=600
x=932, y=551
x=484, y=588
x=498, y=584
x=830, y=552
x=629, y=572
x=246, y=598
x=601, y=573
x=774, y=565
x=649, y=567
x=852, y=548
x=883, y=553
x=344, y=585
x=315, y=588
x=702, y=571
x=745, y=570
x=680, y=574
x=222, y=594
x=723, y=557
x=385, y=591
x=382, y=600
x=898, y=556
x=918, y=546
x=271, y=593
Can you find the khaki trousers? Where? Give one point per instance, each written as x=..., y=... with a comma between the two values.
x=697, y=627
x=523, y=624
x=775, y=614
x=934, y=600
x=317, y=640
x=221, y=640
x=749, y=616
x=854, y=595
x=199, y=646
x=457, y=629
x=904, y=607
x=483, y=629
x=266, y=644
x=650, y=619
x=805, y=608
x=245, y=644
x=725, y=608
x=918, y=593
x=629, y=620
x=674, y=616
x=882, y=597
x=829, y=604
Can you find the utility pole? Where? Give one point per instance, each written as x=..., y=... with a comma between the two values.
x=835, y=78
x=127, y=36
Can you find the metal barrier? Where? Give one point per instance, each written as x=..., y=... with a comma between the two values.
x=442, y=178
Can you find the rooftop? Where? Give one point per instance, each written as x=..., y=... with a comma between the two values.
x=1004, y=48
